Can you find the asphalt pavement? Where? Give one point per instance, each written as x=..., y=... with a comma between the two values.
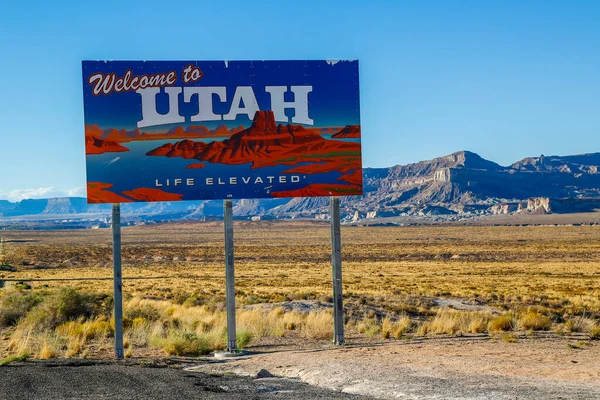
x=89, y=379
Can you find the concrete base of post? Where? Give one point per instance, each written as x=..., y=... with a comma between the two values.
x=229, y=354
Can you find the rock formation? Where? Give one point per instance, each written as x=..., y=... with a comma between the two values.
x=461, y=182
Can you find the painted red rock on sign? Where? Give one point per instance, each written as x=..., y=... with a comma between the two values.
x=94, y=145
x=349, y=132
x=266, y=144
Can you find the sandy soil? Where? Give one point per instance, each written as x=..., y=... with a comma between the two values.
x=453, y=368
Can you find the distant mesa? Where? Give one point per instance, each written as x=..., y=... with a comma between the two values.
x=94, y=145
x=93, y=130
x=122, y=135
x=263, y=124
x=196, y=131
x=223, y=131
x=178, y=132
x=327, y=130
x=184, y=149
x=112, y=134
x=348, y=132
x=267, y=144
x=321, y=189
x=449, y=188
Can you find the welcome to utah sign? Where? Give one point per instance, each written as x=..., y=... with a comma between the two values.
x=196, y=130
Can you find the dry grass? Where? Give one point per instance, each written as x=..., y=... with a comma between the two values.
x=578, y=324
x=48, y=350
x=453, y=322
x=506, y=267
x=508, y=337
x=369, y=326
x=502, y=323
x=260, y=323
x=14, y=358
x=595, y=332
x=533, y=278
x=154, y=324
x=533, y=320
x=293, y=320
x=396, y=329
x=318, y=325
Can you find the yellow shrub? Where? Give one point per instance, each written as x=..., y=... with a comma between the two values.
x=182, y=343
x=387, y=327
x=47, y=351
x=424, y=329
x=534, y=321
x=502, y=323
x=71, y=329
x=395, y=329
x=595, y=332
x=292, y=320
x=319, y=325
x=401, y=327
x=260, y=323
x=98, y=328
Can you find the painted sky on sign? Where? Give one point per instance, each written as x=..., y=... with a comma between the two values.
x=505, y=79
x=332, y=102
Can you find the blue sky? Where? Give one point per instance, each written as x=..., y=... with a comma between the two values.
x=504, y=79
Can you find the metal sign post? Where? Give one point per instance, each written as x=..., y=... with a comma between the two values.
x=118, y=281
x=229, y=275
x=336, y=266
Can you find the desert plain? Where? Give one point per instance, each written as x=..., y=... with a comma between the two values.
x=424, y=304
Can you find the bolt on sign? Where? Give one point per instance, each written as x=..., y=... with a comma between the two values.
x=199, y=130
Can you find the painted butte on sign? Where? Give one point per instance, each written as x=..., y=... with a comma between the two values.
x=164, y=112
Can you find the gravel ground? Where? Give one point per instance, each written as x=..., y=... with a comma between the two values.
x=450, y=369
x=65, y=379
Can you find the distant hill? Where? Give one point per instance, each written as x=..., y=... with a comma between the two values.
x=460, y=183
x=465, y=177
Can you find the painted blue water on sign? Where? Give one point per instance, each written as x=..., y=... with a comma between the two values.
x=329, y=137
x=133, y=169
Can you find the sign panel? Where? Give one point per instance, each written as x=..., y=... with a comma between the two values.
x=199, y=130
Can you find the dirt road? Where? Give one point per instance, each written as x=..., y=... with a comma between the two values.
x=456, y=368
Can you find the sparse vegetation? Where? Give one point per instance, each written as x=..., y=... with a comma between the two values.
x=396, y=328
x=243, y=338
x=396, y=281
x=182, y=343
x=508, y=337
x=595, y=332
x=261, y=324
x=13, y=358
x=502, y=323
x=14, y=305
x=319, y=325
x=533, y=320
x=452, y=322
